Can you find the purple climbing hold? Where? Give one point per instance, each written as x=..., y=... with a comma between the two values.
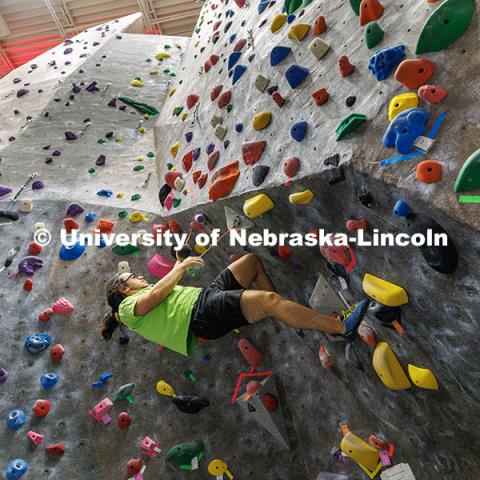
x=67, y=42
x=22, y=92
x=29, y=265
x=37, y=185
x=295, y=75
x=100, y=160
x=33, y=66
x=17, y=80
x=122, y=107
x=16, y=111
x=112, y=102
x=74, y=209
x=92, y=87
x=189, y=136
x=56, y=153
x=70, y=136
x=68, y=50
x=210, y=148
x=4, y=190
x=196, y=153
x=11, y=139
x=3, y=375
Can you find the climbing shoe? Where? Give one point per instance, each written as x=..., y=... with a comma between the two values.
x=352, y=318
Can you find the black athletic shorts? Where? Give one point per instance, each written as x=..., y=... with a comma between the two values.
x=217, y=309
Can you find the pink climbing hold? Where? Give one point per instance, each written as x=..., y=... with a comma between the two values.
x=252, y=151
x=213, y=159
x=171, y=176
x=224, y=99
x=187, y=161
x=432, y=94
x=192, y=100
x=291, y=166
x=239, y=45
x=346, y=68
x=216, y=25
x=278, y=99
x=356, y=224
x=35, y=438
x=62, y=306
x=253, y=386
x=215, y=92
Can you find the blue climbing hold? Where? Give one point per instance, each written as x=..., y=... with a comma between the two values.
x=233, y=59
x=385, y=60
x=401, y=209
x=405, y=128
x=90, y=217
x=49, y=380
x=233, y=38
x=105, y=193
x=278, y=54
x=239, y=127
x=69, y=253
x=37, y=343
x=262, y=6
x=101, y=243
x=291, y=18
x=16, y=469
x=299, y=130
x=295, y=75
x=102, y=380
x=238, y=72
x=16, y=419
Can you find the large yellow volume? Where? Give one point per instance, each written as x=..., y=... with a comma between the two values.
x=388, y=368
x=422, y=377
x=384, y=292
x=364, y=454
x=257, y=205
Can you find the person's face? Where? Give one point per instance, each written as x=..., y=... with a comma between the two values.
x=132, y=282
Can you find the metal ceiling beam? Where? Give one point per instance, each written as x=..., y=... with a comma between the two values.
x=57, y=21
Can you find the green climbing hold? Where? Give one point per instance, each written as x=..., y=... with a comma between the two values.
x=291, y=6
x=355, y=4
x=183, y=454
x=167, y=46
x=469, y=176
x=177, y=111
x=445, y=25
x=124, y=393
x=150, y=155
x=92, y=170
x=148, y=60
x=373, y=34
x=122, y=214
x=176, y=202
x=101, y=141
x=349, y=124
x=167, y=70
x=136, y=196
x=142, y=107
x=123, y=250
x=138, y=168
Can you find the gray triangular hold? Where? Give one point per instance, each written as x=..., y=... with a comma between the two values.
x=235, y=220
x=271, y=421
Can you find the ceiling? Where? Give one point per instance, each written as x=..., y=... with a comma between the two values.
x=38, y=25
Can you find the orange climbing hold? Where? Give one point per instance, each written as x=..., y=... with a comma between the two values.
x=174, y=227
x=171, y=176
x=370, y=10
x=414, y=73
x=252, y=151
x=223, y=181
x=224, y=99
x=202, y=180
x=192, y=100
x=196, y=175
x=319, y=26
x=187, y=161
x=104, y=226
x=346, y=68
x=429, y=171
x=320, y=96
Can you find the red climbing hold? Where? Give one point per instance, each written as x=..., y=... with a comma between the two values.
x=291, y=166
x=319, y=26
x=278, y=99
x=224, y=99
x=320, y=96
x=46, y=315
x=414, y=73
x=429, y=171
x=341, y=254
x=196, y=227
x=124, y=420
x=215, y=37
x=271, y=402
x=253, y=356
x=239, y=45
x=432, y=94
x=252, y=151
x=70, y=224
x=356, y=224
x=192, y=100
x=214, y=59
x=28, y=285
x=370, y=10
x=216, y=25
x=171, y=176
x=223, y=181
x=41, y=408
x=196, y=176
x=202, y=180
x=187, y=161
x=134, y=466
x=207, y=66
x=253, y=386
x=284, y=252
x=174, y=227
x=346, y=68
x=215, y=92
x=213, y=159
x=57, y=352
x=55, y=449
x=240, y=3
x=34, y=248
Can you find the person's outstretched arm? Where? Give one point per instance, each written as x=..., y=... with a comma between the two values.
x=163, y=287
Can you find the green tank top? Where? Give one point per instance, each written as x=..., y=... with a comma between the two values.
x=166, y=324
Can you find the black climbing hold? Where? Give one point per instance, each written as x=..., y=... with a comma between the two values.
x=190, y=403
x=272, y=89
x=251, y=408
x=365, y=197
x=229, y=107
x=350, y=101
x=386, y=315
x=333, y=160
x=443, y=259
x=259, y=174
x=251, y=57
x=226, y=143
x=124, y=339
x=163, y=193
x=335, y=175
x=227, y=27
x=262, y=23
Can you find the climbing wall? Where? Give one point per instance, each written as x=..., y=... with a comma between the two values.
x=96, y=151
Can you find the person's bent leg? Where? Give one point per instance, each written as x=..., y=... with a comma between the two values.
x=249, y=270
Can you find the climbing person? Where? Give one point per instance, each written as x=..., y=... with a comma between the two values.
x=175, y=316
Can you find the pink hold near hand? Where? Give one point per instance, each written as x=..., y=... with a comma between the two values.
x=62, y=306
x=159, y=266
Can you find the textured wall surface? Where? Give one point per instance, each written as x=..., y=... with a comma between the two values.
x=432, y=431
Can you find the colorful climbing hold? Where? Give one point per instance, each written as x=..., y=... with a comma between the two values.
x=388, y=368
x=405, y=128
x=278, y=22
x=295, y=75
x=192, y=99
x=320, y=96
x=237, y=73
x=298, y=31
x=373, y=34
x=413, y=73
x=355, y=4
x=257, y=205
x=319, y=25
x=445, y=25
x=346, y=68
x=469, y=176
x=385, y=60
x=261, y=83
x=422, y=377
x=216, y=92
x=429, y=171
x=361, y=452
x=349, y=124
x=261, y=120
x=299, y=130
x=370, y=10
x=233, y=59
x=318, y=48
x=213, y=160
x=291, y=166
x=400, y=103
x=384, y=292
x=432, y=94
x=301, y=198
x=223, y=181
x=259, y=174
x=278, y=54
x=252, y=151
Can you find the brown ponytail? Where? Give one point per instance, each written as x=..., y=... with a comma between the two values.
x=111, y=321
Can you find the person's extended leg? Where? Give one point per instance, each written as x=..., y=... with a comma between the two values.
x=256, y=305
x=249, y=269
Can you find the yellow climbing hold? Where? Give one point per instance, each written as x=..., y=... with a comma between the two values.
x=184, y=116
x=160, y=55
x=172, y=91
x=257, y=205
x=388, y=368
x=422, y=377
x=174, y=149
x=360, y=451
x=163, y=388
x=200, y=249
x=154, y=72
x=119, y=139
x=140, y=159
x=301, y=198
x=146, y=116
x=141, y=130
x=278, y=22
x=261, y=120
x=298, y=31
x=384, y=292
x=136, y=83
x=401, y=102
x=136, y=217
x=120, y=195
